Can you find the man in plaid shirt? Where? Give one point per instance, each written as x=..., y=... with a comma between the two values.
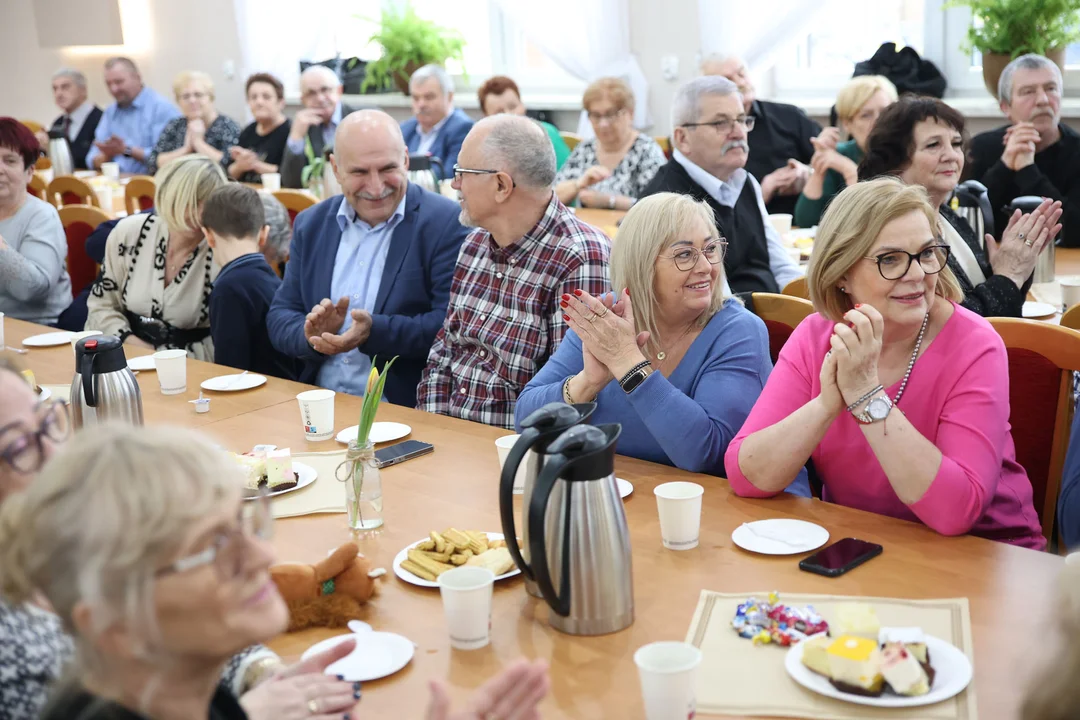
x=528, y=249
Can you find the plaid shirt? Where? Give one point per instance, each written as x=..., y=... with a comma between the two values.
x=504, y=319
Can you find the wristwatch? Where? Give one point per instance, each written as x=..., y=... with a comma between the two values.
x=635, y=377
x=127, y=151
x=876, y=410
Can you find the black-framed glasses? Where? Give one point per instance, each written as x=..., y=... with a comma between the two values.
x=687, y=258
x=895, y=264
x=612, y=116
x=725, y=125
x=25, y=452
x=228, y=552
x=459, y=171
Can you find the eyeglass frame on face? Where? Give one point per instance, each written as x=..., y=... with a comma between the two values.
x=941, y=245
x=725, y=126
x=459, y=171
x=195, y=95
x=35, y=437
x=261, y=522
x=608, y=117
x=318, y=92
x=721, y=242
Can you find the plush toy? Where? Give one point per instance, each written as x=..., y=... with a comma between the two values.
x=328, y=593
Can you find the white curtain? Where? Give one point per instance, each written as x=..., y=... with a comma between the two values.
x=755, y=31
x=589, y=39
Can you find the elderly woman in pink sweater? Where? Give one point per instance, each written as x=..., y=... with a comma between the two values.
x=899, y=395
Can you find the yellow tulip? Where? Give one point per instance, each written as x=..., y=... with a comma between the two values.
x=373, y=377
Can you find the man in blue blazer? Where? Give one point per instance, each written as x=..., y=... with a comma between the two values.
x=369, y=271
x=437, y=128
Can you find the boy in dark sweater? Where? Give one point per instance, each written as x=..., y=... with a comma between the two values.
x=235, y=226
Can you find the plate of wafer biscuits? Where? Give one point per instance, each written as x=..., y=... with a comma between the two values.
x=423, y=561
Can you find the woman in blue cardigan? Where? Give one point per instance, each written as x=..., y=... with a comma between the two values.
x=681, y=364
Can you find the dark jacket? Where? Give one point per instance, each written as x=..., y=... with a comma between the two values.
x=82, y=143
x=293, y=164
x=998, y=296
x=781, y=132
x=447, y=143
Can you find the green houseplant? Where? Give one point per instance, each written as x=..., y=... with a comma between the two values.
x=409, y=42
x=1007, y=29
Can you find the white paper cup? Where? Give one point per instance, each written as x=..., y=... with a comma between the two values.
x=781, y=223
x=668, y=673
x=111, y=170
x=271, y=181
x=466, y=598
x=76, y=337
x=679, y=504
x=171, y=371
x=317, y=414
x=503, y=446
x=1070, y=290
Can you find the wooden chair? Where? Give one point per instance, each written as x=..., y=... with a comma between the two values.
x=781, y=315
x=571, y=139
x=37, y=187
x=294, y=201
x=43, y=163
x=79, y=221
x=1071, y=319
x=139, y=194
x=70, y=190
x=1042, y=358
x=35, y=127
x=665, y=144
x=797, y=288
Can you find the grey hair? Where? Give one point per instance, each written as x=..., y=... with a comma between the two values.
x=522, y=148
x=1031, y=61
x=714, y=58
x=686, y=105
x=277, y=217
x=72, y=74
x=433, y=71
x=120, y=60
x=322, y=71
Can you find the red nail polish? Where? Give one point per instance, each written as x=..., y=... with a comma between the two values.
x=627, y=292
x=858, y=305
x=578, y=293
x=565, y=296
x=566, y=318
x=563, y=305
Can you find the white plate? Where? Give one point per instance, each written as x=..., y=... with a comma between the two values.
x=377, y=655
x=142, y=362
x=410, y=578
x=780, y=536
x=952, y=667
x=1038, y=309
x=625, y=488
x=307, y=476
x=48, y=339
x=381, y=432
x=233, y=383
x=44, y=394
x=800, y=233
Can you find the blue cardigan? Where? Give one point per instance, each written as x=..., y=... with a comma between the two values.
x=686, y=420
x=413, y=295
x=447, y=143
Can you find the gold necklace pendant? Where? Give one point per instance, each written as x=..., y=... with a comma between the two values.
x=661, y=355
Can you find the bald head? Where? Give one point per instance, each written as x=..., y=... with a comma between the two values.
x=734, y=69
x=370, y=162
x=517, y=145
x=368, y=127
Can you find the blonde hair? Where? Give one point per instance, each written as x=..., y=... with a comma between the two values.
x=651, y=226
x=614, y=89
x=102, y=516
x=858, y=91
x=187, y=77
x=848, y=231
x=182, y=187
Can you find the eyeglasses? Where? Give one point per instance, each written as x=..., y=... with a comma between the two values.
x=314, y=92
x=26, y=451
x=192, y=96
x=612, y=116
x=725, y=125
x=459, y=171
x=892, y=265
x=687, y=258
x=229, y=552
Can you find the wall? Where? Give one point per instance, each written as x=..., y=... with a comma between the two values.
x=661, y=30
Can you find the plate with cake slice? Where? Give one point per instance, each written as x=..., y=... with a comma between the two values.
x=902, y=668
x=273, y=470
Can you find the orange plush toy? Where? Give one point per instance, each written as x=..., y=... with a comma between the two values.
x=329, y=593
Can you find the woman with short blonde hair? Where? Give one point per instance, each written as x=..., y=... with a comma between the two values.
x=200, y=130
x=888, y=329
x=612, y=169
x=681, y=349
x=154, y=287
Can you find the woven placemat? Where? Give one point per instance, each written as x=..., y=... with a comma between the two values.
x=739, y=678
x=325, y=495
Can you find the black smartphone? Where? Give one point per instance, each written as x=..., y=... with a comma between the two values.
x=401, y=452
x=841, y=556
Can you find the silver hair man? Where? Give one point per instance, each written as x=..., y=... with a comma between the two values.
x=433, y=71
x=74, y=75
x=1031, y=61
x=686, y=105
x=321, y=72
x=520, y=146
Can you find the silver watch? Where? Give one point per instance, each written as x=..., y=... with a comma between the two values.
x=876, y=410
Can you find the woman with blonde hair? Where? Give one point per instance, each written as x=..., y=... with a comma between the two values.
x=835, y=164
x=888, y=329
x=612, y=169
x=201, y=130
x=680, y=349
x=154, y=288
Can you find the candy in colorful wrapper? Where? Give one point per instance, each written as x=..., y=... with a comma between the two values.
x=773, y=622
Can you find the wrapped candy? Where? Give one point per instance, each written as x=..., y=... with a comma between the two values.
x=773, y=622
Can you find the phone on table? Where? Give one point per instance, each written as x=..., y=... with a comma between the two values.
x=840, y=557
x=400, y=452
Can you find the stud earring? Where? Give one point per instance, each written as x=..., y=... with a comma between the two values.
x=843, y=290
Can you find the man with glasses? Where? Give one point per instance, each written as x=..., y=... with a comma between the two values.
x=313, y=127
x=437, y=128
x=369, y=271
x=708, y=163
x=526, y=252
x=780, y=148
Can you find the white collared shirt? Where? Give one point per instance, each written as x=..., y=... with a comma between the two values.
x=427, y=139
x=727, y=193
x=78, y=119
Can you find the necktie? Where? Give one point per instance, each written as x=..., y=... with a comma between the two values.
x=65, y=125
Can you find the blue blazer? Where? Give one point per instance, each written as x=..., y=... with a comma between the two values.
x=413, y=295
x=447, y=143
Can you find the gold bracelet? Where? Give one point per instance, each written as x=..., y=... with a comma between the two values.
x=566, y=391
x=260, y=670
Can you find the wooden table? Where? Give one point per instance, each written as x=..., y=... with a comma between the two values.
x=1067, y=261
x=1009, y=589
x=606, y=220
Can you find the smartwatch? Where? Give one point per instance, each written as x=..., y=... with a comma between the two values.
x=635, y=377
x=127, y=151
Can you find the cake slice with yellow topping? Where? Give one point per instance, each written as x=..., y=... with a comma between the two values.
x=855, y=665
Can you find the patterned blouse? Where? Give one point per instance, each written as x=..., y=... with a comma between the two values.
x=629, y=177
x=222, y=134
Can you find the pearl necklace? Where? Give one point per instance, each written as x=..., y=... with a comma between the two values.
x=914, y=354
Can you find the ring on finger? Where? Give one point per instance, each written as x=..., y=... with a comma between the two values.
x=1020, y=236
x=1028, y=243
x=313, y=706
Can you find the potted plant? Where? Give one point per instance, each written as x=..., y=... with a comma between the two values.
x=409, y=42
x=318, y=175
x=363, y=483
x=1007, y=29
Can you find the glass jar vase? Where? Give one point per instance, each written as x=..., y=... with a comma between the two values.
x=363, y=487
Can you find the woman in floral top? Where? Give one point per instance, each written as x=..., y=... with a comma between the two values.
x=612, y=169
x=201, y=130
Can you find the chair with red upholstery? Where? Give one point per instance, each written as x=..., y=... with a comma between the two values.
x=1042, y=358
x=295, y=201
x=781, y=315
x=37, y=187
x=70, y=190
x=79, y=221
x=139, y=194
